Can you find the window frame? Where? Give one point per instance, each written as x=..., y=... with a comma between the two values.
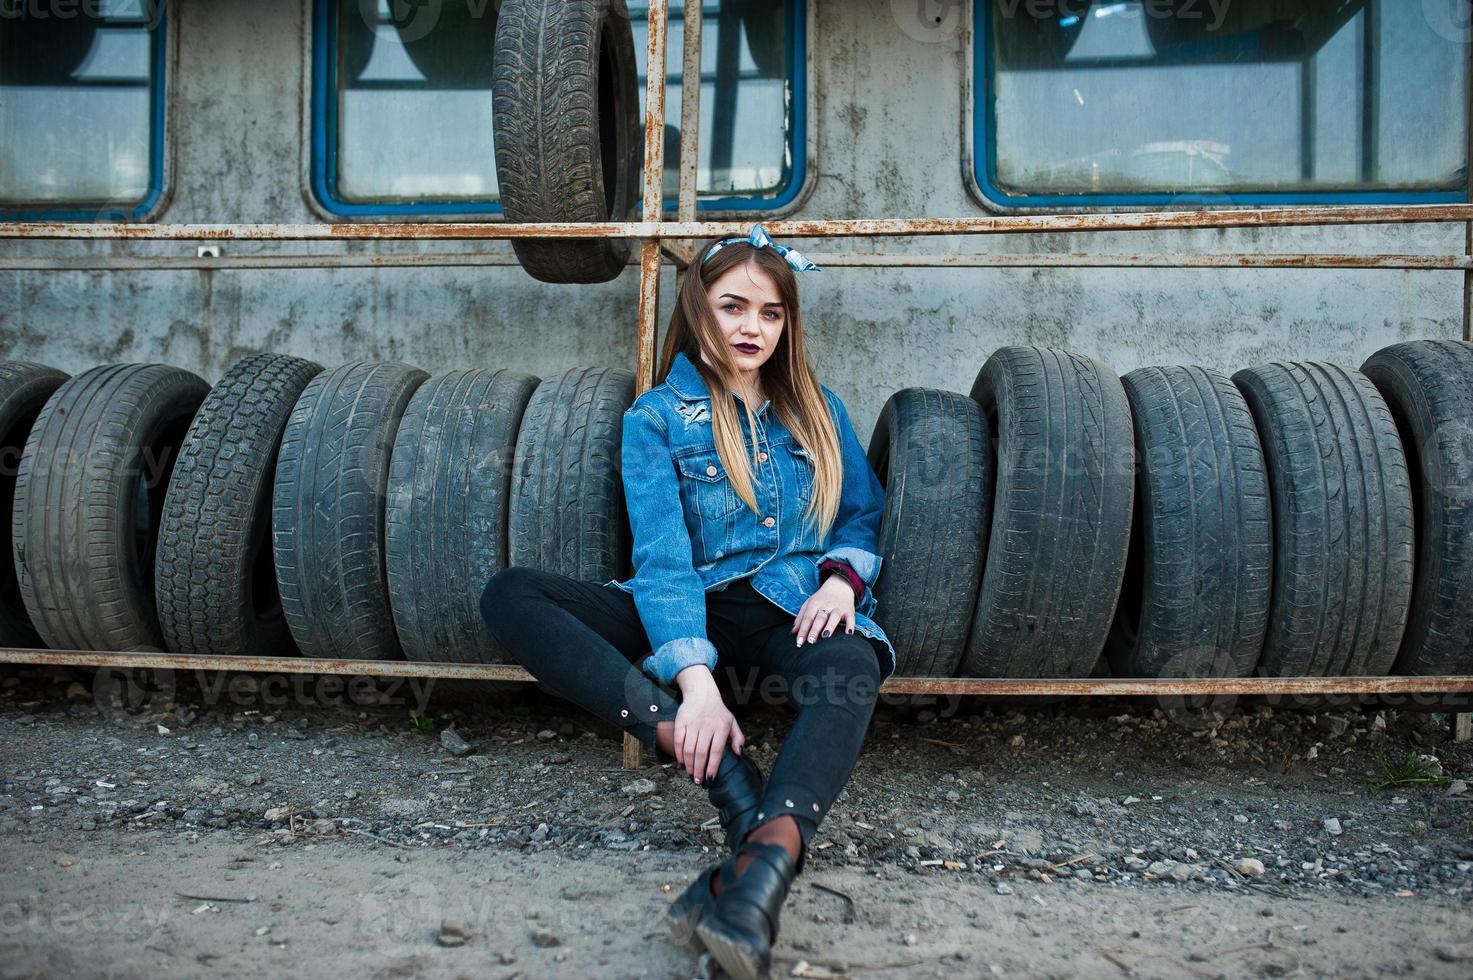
x=979, y=160
x=160, y=152
x=320, y=141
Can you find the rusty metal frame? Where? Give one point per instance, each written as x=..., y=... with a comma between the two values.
x=1012, y=686
x=672, y=240
x=651, y=227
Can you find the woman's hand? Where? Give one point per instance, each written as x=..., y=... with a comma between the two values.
x=703, y=725
x=825, y=610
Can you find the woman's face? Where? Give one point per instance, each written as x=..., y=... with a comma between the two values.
x=749, y=310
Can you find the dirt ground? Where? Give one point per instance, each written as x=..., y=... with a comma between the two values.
x=247, y=825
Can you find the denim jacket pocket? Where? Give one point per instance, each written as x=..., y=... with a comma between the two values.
x=803, y=467
x=704, y=486
x=709, y=502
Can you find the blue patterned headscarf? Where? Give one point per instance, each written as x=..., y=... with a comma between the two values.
x=758, y=238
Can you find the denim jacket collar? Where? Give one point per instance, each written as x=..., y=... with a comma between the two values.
x=685, y=380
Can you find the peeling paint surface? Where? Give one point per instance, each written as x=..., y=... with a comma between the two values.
x=888, y=117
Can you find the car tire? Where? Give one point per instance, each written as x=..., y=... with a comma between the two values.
x=24, y=390
x=216, y=581
x=88, y=502
x=1061, y=513
x=567, y=500
x=568, y=136
x=931, y=453
x=1342, y=519
x=327, y=510
x=446, y=515
x=1428, y=385
x=1197, y=583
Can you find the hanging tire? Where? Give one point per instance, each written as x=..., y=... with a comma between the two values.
x=1428, y=385
x=567, y=498
x=931, y=453
x=1342, y=520
x=1196, y=592
x=88, y=502
x=24, y=390
x=567, y=123
x=446, y=516
x=1061, y=513
x=216, y=582
x=327, y=510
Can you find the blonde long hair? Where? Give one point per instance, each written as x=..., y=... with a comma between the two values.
x=787, y=380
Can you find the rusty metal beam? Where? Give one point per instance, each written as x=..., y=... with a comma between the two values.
x=785, y=228
x=654, y=112
x=653, y=211
x=1091, y=686
x=654, y=183
x=1164, y=260
x=680, y=254
x=690, y=109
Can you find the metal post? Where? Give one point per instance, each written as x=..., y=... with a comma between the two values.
x=690, y=131
x=1468, y=179
x=649, y=248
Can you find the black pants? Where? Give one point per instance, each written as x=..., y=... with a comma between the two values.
x=585, y=641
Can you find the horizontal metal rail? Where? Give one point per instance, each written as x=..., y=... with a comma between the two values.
x=935, y=260
x=783, y=228
x=1099, y=686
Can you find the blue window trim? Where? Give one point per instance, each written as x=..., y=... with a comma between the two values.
x=324, y=133
x=984, y=145
x=155, y=192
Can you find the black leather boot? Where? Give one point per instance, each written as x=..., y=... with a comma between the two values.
x=685, y=913
x=735, y=792
x=741, y=926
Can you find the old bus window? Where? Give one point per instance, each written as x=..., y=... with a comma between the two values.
x=1093, y=102
x=402, y=111
x=753, y=101
x=81, y=110
x=403, y=106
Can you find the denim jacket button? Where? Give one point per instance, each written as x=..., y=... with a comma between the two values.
x=769, y=522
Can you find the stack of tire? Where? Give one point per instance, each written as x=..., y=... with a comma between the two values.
x=1296, y=519
x=351, y=514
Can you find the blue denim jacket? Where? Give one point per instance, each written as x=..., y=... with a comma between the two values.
x=693, y=534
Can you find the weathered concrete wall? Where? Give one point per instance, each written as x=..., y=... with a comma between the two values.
x=887, y=107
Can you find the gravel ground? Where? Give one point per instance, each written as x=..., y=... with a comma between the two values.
x=227, y=825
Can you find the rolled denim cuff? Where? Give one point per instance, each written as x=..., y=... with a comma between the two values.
x=865, y=564
x=675, y=655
